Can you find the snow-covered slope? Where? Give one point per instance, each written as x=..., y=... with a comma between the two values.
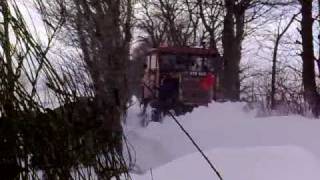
x=226, y=125
x=263, y=163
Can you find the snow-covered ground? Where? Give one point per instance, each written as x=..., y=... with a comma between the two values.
x=242, y=146
x=263, y=163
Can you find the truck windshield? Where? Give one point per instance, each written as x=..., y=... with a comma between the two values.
x=182, y=63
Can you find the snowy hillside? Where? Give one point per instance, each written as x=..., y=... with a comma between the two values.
x=241, y=145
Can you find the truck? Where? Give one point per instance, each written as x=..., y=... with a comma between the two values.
x=177, y=79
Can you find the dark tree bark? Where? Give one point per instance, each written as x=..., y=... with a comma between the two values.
x=233, y=34
x=319, y=35
x=308, y=72
x=105, y=47
x=229, y=52
x=104, y=30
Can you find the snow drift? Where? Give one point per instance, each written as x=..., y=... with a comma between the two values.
x=226, y=126
x=276, y=163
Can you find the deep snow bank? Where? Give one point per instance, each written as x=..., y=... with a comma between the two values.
x=276, y=163
x=220, y=125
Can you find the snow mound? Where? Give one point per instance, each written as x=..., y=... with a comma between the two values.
x=260, y=163
x=222, y=125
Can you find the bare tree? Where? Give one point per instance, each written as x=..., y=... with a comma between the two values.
x=233, y=34
x=238, y=14
x=318, y=61
x=22, y=106
x=152, y=25
x=78, y=135
x=210, y=13
x=171, y=22
x=279, y=35
x=308, y=73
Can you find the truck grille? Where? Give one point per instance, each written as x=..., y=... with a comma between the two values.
x=192, y=93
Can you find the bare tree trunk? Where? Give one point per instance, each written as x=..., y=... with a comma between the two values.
x=274, y=59
x=240, y=23
x=104, y=36
x=274, y=69
x=105, y=53
x=232, y=51
x=319, y=36
x=308, y=57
